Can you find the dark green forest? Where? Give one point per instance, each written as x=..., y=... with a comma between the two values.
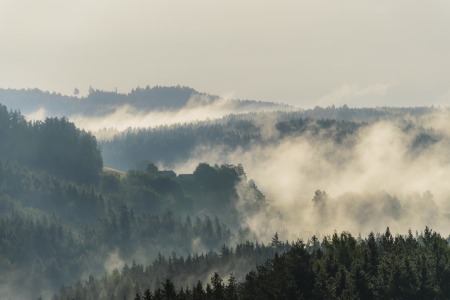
x=55, y=146
x=163, y=144
x=170, y=145
x=63, y=217
x=380, y=266
x=72, y=229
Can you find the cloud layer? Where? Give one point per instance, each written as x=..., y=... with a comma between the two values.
x=382, y=176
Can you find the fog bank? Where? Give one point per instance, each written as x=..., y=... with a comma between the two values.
x=388, y=174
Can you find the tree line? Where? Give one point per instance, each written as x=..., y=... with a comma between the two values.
x=380, y=266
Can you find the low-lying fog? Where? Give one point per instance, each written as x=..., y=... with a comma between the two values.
x=372, y=180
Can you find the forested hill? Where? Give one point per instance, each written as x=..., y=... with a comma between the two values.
x=68, y=225
x=55, y=232
x=379, y=266
x=101, y=103
x=63, y=218
x=55, y=146
x=175, y=144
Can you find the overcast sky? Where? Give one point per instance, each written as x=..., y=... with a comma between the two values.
x=362, y=53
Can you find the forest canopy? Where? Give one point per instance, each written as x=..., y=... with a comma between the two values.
x=72, y=229
x=54, y=145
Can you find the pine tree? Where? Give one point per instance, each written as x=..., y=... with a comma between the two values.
x=168, y=290
x=231, y=288
x=218, y=287
x=148, y=295
x=197, y=292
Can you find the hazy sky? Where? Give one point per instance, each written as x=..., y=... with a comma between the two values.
x=358, y=52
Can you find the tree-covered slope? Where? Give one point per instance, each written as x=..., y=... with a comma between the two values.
x=62, y=217
x=380, y=266
x=100, y=233
x=176, y=144
x=55, y=146
x=102, y=103
x=55, y=231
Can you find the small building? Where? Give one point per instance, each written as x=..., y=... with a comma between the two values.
x=167, y=173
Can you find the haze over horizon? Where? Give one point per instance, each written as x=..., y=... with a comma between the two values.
x=305, y=53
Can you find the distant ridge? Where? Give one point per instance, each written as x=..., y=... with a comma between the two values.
x=99, y=102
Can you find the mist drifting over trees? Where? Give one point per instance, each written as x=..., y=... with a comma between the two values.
x=205, y=150
x=262, y=200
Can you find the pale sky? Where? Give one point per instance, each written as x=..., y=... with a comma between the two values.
x=357, y=52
